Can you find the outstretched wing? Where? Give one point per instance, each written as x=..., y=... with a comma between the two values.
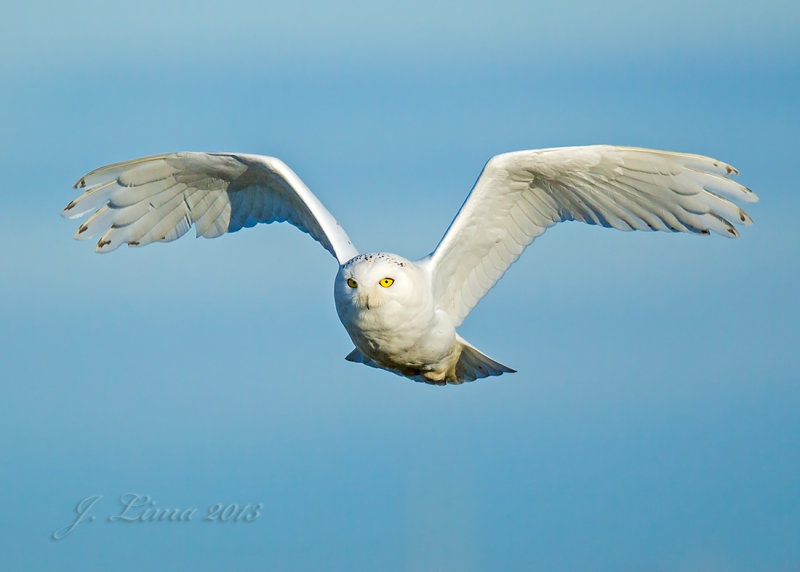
x=158, y=198
x=520, y=195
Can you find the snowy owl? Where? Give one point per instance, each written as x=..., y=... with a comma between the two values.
x=402, y=315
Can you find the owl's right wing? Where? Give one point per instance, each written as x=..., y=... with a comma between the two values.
x=519, y=195
x=158, y=198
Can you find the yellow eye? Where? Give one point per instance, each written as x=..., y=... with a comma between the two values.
x=386, y=282
x=352, y=283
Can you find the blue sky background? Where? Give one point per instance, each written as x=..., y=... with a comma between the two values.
x=653, y=423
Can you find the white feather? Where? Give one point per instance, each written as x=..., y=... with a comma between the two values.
x=521, y=194
x=158, y=199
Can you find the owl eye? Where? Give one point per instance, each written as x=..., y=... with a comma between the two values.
x=386, y=282
x=352, y=283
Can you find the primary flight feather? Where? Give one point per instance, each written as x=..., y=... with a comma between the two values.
x=401, y=315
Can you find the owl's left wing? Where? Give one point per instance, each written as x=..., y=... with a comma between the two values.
x=519, y=195
x=159, y=198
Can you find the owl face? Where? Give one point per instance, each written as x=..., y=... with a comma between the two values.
x=371, y=282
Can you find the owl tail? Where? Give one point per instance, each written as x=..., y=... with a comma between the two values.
x=473, y=364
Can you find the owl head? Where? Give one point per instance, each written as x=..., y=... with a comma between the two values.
x=372, y=282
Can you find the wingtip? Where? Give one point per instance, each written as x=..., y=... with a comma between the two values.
x=750, y=196
x=745, y=218
x=81, y=229
x=729, y=169
x=65, y=212
x=105, y=245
